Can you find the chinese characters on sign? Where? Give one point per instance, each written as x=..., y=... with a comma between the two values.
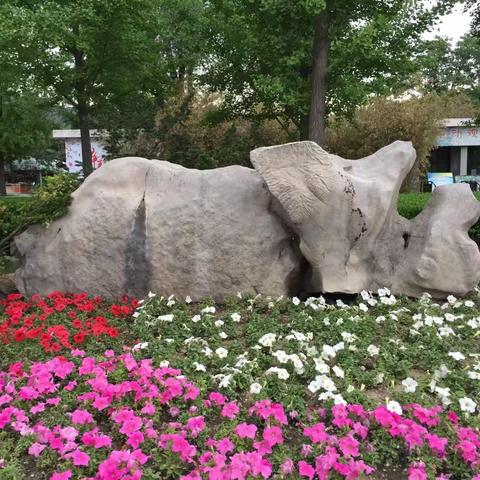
x=73, y=152
x=459, y=137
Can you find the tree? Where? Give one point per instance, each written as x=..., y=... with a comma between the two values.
x=89, y=54
x=24, y=128
x=299, y=61
x=447, y=68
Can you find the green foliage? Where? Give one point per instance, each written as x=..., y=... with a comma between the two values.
x=447, y=68
x=385, y=120
x=191, y=131
x=49, y=202
x=262, y=53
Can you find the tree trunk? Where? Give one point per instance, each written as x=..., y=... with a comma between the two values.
x=82, y=104
x=318, y=102
x=3, y=186
x=83, y=117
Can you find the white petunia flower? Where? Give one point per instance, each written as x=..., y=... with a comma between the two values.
x=322, y=382
x=165, y=318
x=199, y=367
x=207, y=351
x=451, y=299
x=380, y=319
x=296, y=301
x=339, y=346
x=409, y=385
x=151, y=295
x=394, y=407
x=363, y=307
x=373, y=350
x=338, y=399
x=140, y=346
x=391, y=300
x=444, y=395
x=456, y=356
x=281, y=356
x=380, y=378
x=223, y=335
x=365, y=295
x=219, y=323
x=321, y=366
x=469, y=303
x=235, y=317
x=255, y=388
x=267, y=340
x=225, y=381
x=196, y=318
x=348, y=337
x=328, y=352
x=467, y=405
x=208, y=310
x=188, y=299
x=383, y=292
x=281, y=373
x=221, y=352
x=164, y=364
x=338, y=372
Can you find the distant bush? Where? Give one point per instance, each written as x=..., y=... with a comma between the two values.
x=411, y=204
x=385, y=120
x=49, y=202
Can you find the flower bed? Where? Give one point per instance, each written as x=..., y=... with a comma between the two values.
x=273, y=388
x=58, y=323
x=299, y=352
x=115, y=417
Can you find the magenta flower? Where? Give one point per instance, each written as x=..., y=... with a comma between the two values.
x=62, y=475
x=246, y=430
x=36, y=449
x=81, y=417
x=230, y=410
x=417, y=471
x=80, y=459
x=305, y=469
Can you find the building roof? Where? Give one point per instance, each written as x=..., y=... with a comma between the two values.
x=61, y=134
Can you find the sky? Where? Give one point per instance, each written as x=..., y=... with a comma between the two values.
x=453, y=26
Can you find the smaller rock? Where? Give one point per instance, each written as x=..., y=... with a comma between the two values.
x=7, y=284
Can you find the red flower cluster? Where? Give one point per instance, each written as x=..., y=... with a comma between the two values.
x=59, y=320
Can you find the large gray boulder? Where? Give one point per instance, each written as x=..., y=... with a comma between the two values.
x=345, y=215
x=302, y=221
x=137, y=225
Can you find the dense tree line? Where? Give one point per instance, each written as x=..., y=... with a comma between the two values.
x=242, y=72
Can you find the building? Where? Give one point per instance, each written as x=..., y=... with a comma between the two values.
x=458, y=149
x=73, y=148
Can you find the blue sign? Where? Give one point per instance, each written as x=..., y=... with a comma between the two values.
x=440, y=178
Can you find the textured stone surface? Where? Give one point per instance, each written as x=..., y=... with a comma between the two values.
x=304, y=221
x=344, y=213
x=137, y=225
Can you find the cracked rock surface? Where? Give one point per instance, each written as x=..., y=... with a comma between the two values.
x=139, y=225
x=302, y=221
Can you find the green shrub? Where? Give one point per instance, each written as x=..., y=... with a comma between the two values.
x=411, y=204
x=48, y=203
